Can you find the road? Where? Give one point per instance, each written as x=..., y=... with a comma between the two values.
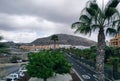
x=11, y=69
x=85, y=73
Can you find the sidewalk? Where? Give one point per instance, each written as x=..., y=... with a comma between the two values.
x=58, y=77
x=66, y=77
x=6, y=64
x=74, y=76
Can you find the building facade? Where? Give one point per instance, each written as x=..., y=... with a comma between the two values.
x=47, y=47
x=115, y=42
x=37, y=47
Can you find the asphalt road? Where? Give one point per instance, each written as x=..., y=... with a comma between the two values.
x=11, y=69
x=85, y=73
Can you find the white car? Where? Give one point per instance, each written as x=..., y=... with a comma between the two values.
x=13, y=77
x=21, y=73
x=23, y=69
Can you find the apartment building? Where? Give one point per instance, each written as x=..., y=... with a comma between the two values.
x=37, y=47
x=115, y=42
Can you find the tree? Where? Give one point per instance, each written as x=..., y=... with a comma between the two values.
x=47, y=62
x=54, y=38
x=61, y=64
x=3, y=47
x=40, y=65
x=103, y=20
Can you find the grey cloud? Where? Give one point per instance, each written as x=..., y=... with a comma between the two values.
x=53, y=16
x=6, y=27
x=65, y=13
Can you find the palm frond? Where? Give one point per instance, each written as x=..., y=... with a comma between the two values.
x=110, y=8
x=115, y=22
x=90, y=11
x=85, y=18
x=84, y=29
x=76, y=24
x=54, y=37
x=118, y=29
x=112, y=3
x=94, y=6
x=93, y=17
x=95, y=26
x=111, y=31
x=110, y=12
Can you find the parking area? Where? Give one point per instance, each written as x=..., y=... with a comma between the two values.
x=13, y=72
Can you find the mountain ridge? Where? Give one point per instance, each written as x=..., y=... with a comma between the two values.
x=64, y=39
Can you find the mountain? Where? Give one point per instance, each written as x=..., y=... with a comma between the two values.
x=65, y=39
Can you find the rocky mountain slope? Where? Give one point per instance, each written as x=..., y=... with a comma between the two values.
x=65, y=39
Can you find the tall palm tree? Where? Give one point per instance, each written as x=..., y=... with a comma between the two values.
x=54, y=38
x=104, y=19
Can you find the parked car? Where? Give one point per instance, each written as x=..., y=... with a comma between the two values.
x=19, y=61
x=21, y=73
x=24, y=60
x=22, y=69
x=13, y=77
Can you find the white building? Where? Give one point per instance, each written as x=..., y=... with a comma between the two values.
x=71, y=46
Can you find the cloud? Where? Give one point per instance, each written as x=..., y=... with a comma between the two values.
x=25, y=20
x=57, y=11
x=12, y=26
x=19, y=36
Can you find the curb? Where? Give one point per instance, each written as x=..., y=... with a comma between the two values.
x=77, y=74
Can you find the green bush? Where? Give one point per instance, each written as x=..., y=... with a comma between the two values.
x=45, y=63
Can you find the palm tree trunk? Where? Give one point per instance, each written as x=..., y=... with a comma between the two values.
x=54, y=45
x=100, y=55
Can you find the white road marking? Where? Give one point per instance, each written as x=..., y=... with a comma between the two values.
x=96, y=79
x=85, y=76
x=95, y=76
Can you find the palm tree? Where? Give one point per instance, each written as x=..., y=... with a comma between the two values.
x=103, y=20
x=54, y=38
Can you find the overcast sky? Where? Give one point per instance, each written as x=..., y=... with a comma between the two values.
x=26, y=20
